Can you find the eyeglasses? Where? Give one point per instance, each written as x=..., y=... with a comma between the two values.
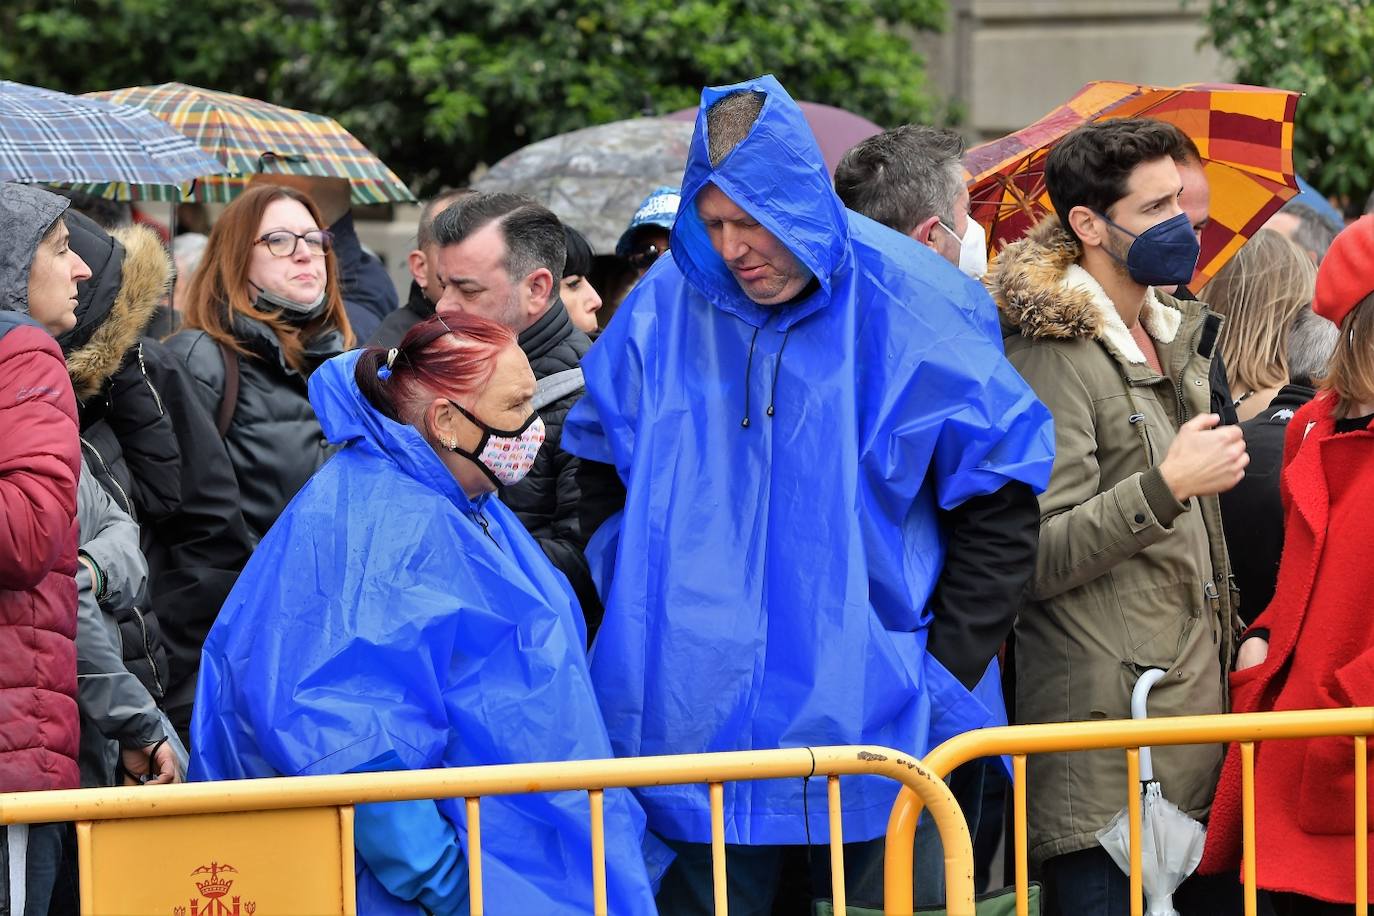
x=282, y=243
x=645, y=257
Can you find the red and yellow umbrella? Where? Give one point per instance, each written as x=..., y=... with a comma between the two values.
x=1244, y=133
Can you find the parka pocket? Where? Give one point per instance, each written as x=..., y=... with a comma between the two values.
x=1159, y=623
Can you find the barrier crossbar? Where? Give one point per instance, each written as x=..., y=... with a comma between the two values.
x=1130, y=735
x=282, y=817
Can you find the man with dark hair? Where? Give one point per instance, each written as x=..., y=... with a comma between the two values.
x=911, y=179
x=1304, y=227
x=1132, y=572
x=501, y=256
x=825, y=475
x=423, y=261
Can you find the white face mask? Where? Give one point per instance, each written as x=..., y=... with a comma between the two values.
x=973, y=248
x=505, y=455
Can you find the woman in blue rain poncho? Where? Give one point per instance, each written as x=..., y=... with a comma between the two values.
x=397, y=616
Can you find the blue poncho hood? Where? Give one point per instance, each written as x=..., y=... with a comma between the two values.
x=770, y=579
x=379, y=627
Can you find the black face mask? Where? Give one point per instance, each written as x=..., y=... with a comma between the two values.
x=290, y=309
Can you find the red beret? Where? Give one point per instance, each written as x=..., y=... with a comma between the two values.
x=1346, y=275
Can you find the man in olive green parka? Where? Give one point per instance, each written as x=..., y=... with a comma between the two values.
x=1132, y=570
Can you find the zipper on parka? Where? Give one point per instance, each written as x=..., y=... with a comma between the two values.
x=128, y=506
x=148, y=651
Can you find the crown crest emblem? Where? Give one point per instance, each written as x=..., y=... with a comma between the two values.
x=214, y=885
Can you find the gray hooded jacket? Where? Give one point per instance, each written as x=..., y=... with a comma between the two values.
x=116, y=709
x=26, y=214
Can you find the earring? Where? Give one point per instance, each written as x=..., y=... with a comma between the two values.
x=453, y=444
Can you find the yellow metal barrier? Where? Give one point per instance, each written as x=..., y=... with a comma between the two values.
x=1018, y=741
x=286, y=845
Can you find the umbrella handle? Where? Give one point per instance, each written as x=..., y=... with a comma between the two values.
x=1139, y=694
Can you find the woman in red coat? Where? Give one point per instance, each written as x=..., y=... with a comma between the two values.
x=1313, y=647
x=40, y=459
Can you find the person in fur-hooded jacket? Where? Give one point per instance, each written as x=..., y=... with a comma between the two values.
x=131, y=451
x=153, y=447
x=1132, y=571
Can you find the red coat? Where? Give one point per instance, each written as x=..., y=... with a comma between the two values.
x=1321, y=656
x=40, y=461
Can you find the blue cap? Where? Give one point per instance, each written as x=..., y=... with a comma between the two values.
x=658, y=209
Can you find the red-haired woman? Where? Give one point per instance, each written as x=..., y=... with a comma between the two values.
x=262, y=312
x=397, y=616
x=1313, y=647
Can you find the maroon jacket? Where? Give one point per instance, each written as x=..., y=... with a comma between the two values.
x=40, y=461
x=1321, y=656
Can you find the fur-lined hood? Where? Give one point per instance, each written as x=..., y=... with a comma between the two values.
x=1042, y=292
x=142, y=277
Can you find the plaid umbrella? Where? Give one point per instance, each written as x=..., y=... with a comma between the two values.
x=250, y=137
x=1244, y=133
x=48, y=136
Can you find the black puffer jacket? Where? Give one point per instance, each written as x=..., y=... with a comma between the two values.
x=546, y=500
x=274, y=441
x=127, y=439
x=1252, y=511
x=395, y=326
x=194, y=554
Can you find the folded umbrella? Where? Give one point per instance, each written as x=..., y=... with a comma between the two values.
x=1170, y=841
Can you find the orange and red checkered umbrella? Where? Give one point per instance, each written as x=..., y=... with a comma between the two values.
x=1244, y=133
x=250, y=136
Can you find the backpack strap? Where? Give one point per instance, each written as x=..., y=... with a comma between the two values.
x=558, y=386
x=229, y=400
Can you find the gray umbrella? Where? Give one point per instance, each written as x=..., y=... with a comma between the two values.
x=594, y=178
x=1170, y=841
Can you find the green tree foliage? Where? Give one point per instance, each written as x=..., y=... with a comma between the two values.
x=1325, y=49
x=85, y=45
x=435, y=87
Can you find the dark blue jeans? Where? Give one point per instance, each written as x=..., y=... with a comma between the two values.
x=32, y=855
x=966, y=784
x=755, y=874
x=1088, y=881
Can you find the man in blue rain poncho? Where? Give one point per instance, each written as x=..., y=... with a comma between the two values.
x=828, y=479
x=399, y=617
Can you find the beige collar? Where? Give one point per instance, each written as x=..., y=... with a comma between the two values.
x=1161, y=321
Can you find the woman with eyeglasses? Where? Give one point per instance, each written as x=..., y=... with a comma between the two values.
x=261, y=314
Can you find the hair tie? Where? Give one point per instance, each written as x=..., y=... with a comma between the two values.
x=384, y=372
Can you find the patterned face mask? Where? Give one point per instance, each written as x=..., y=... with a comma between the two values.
x=505, y=455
